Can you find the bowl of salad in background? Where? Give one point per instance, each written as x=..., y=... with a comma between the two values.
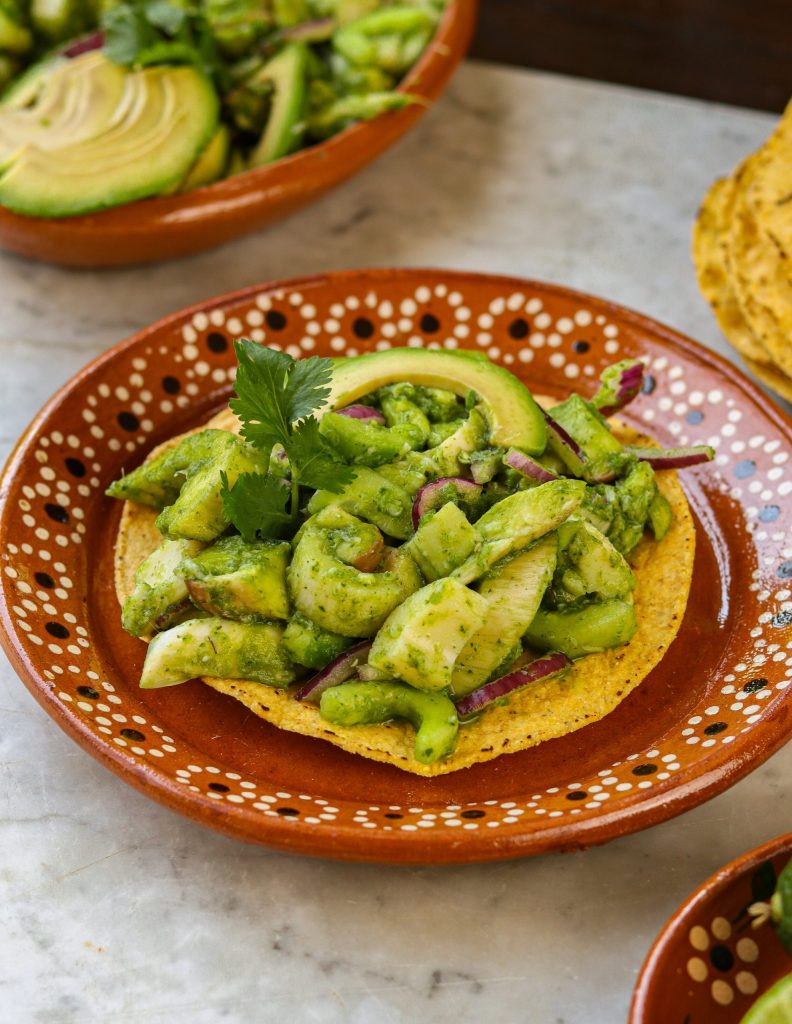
x=725, y=957
x=142, y=130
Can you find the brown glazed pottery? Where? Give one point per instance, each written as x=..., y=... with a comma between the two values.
x=714, y=708
x=159, y=229
x=709, y=965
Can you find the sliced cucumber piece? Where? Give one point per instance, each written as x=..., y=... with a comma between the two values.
x=586, y=630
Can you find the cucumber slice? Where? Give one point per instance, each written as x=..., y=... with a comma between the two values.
x=577, y=632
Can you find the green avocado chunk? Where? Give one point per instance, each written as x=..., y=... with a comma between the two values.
x=513, y=589
x=781, y=906
x=519, y=520
x=216, y=647
x=372, y=497
x=211, y=163
x=158, y=481
x=443, y=541
x=580, y=631
x=432, y=714
x=337, y=596
x=513, y=417
x=96, y=136
x=236, y=580
x=589, y=565
x=160, y=596
x=287, y=73
x=586, y=427
x=308, y=644
x=368, y=444
x=198, y=513
x=422, y=638
x=401, y=412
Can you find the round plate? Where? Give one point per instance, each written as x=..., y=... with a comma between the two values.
x=715, y=707
x=709, y=965
x=153, y=230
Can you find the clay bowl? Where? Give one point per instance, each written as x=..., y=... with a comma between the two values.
x=709, y=965
x=715, y=707
x=159, y=229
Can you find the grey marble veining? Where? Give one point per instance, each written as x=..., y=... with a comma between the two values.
x=113, y=908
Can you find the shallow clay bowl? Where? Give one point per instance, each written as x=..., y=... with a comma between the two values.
x=715, y=707
x=709, y=965
x=159, y=229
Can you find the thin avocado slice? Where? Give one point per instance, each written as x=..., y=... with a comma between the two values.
x=211, y=164
x=514, y=418
x=149, y=139
x=287, y=72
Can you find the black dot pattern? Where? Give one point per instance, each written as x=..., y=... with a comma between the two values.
x=218, y=787
x=217, y=342
x=578, y=794
x=472, y=814
x=171, y=385
x=89, y=692
x=275, y=320
x=75, y=466
x=133, y=734
x=755, y=685
x=362, y=327
x=715, y=728
x=57, y=513
x=769, y=513
x=44, y=580
x=287, y=812
x=644, y=769
x=721, y=958
x=785, y=570
x=128, y=421
x=519, y=328
x=57, y=630
x=394, y=816
x=430, y=324
x=581, y=346
x=781, y=619
x=649, y=384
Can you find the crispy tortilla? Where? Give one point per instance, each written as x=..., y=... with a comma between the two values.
x=585, y=694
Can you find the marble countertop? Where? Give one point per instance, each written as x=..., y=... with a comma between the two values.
x=113, y=907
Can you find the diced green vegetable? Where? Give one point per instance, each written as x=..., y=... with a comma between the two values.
x=308, y=644
x=421, y=639
x=432, y=714
x=160, y=596
x=586, y=427
x=589, y=565
x=443, y=541
x=216, y=647
x=661, y=516
x=236, y=580
x=580, y=631
x=370, y=496
x=368, y=444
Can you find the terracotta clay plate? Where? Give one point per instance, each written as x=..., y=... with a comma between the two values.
x=715, y=708
x=709, y=965
x=157, y=229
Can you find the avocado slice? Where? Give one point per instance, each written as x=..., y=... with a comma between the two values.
x=160, y=596
x=422, y=638
x=513, y=589
x=443, y=541
x=373, y=498
x=287, y=71
x=589, y=565
x=308, y=644
x=514, y=418
x=138, y=144
x=211, y=164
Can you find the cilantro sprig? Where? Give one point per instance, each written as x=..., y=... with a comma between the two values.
x=276, y=397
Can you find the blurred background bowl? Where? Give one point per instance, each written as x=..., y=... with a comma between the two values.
x=164, y=228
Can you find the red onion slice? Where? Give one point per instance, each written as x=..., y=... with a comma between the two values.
x=620, y=384
x=93, y=41
x=339, y=671
x=565, y=446
x=674, y=458
x=317, y=30
x=524, y=464
x=429, y=496
x=363, y=412
x=542, y=668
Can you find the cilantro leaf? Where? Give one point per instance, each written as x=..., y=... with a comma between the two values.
x=256, y=505
x=308, y=386
x=318, y=462
x=260, y=384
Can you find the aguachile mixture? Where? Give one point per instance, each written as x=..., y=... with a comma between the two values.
x=407, y=545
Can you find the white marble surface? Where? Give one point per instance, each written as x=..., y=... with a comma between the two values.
x=114, y=908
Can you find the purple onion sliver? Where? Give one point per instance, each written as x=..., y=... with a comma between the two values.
x=674, y=458
x=629, y=384
x=315, y=31
x=531, y=673
x=527, y=466
x=426, y=498
x=363, y=412
x=566, y=439
x=94, y=41
x=337, y=672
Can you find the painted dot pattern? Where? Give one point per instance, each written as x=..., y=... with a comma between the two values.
x=562, y=344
